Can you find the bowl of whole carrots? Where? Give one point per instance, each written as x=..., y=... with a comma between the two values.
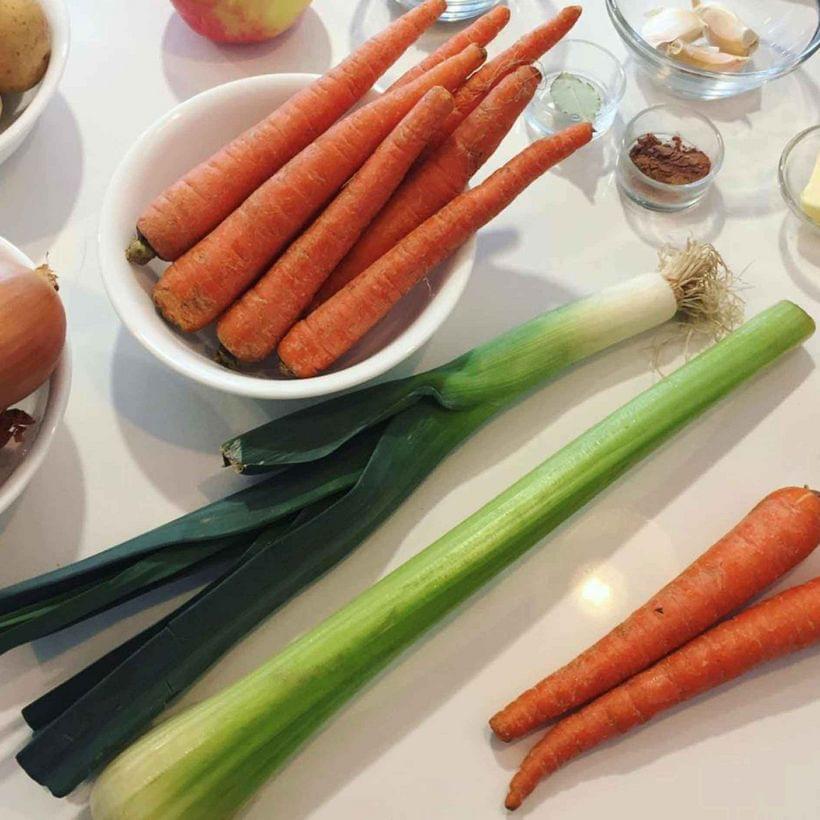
x=158, y=157
x=328, y=227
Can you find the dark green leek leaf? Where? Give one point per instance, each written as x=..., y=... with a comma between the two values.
x=247, y=511
x=46, y=708
x=314, y=432
x=147, y=574
x=99, y=723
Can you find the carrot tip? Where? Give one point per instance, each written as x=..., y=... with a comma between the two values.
x=139, y=250
x=513, y=801
x=498, y=729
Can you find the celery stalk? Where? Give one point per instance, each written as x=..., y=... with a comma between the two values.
x=206, y=761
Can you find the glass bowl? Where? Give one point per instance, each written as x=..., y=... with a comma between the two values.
x=457, y=9
x=789, y=34
x=666, y=121
x=796, y=165
x=590, y=63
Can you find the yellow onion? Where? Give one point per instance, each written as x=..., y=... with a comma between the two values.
x=32, y=330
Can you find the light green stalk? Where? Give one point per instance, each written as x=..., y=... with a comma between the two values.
x=206, y=761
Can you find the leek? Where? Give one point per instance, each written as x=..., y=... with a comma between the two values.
x=206, y=761
x=418, y=421
x=218, y=532
x=692, y=283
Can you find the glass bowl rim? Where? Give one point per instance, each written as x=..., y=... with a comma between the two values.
x=717, y=163
x=619, y=69
x=638, y=44
x=785, y=190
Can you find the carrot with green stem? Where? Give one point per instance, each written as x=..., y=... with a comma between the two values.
x=529, y=48
x=196, y=203
x=440, y=178
x=778, y=626
x=481, y=32
x=207, y=279
x=254, y=325
x=782, y=530
x=316, y=342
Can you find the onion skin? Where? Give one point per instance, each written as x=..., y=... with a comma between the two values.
x=32, y=330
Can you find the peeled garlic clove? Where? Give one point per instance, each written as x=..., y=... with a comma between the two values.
x=726, y=30
x=667, y=25
x=701, y=57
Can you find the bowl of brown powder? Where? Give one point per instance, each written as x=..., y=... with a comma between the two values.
x=670, y=156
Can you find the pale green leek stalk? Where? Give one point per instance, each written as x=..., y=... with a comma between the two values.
x=205, y=762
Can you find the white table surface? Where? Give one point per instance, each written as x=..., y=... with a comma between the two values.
x=139, y=446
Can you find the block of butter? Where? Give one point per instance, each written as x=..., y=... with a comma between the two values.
x=810, y=198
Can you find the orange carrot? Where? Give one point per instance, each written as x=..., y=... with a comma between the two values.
x=778, y=626
x=206, y=280
x=772, y=539
x=440, y=178
x=523, y=51
x=313, y=344
x=194, y=205
x=481, y=32
x=254, y=325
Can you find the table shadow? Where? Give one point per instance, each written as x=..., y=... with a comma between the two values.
x=41, y=180
x=192, y=63
x=800, y=251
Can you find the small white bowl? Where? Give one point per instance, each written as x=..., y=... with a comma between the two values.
x=20, y=112
x=186, y=135
x=19, y=462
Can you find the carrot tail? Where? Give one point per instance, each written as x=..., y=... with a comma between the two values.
x=527, y=49
x=778, y=626
x=481, y=32
x=194, y=205
x=316, y=342
x=253, y=326
x=207, y=279
x=440, y=178
x=774, y=537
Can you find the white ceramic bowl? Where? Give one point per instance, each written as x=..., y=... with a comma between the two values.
x=20, y=111
x=19, y=462
x=186, y=135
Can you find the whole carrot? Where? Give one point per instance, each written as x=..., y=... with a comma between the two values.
x=313, y=344
x=481, y=32
x=253, y=326
x=440, y=178
x=529, y=48
x=194, y=205
x=207, y=279
x=778, y=626
x=772, y=539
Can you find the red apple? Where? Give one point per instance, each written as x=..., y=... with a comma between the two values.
x=240, y=21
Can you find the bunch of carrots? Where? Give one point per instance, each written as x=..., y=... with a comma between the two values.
x=670, y=650
x=387, y=181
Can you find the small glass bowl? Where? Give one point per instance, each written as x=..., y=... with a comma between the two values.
x=457, y=9
x=589, y=62
x=666, y=121
x=789, y=34
x=796, y=165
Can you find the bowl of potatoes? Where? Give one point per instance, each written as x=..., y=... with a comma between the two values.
x=34, y=37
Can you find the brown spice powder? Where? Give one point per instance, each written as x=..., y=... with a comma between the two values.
x=671, y=162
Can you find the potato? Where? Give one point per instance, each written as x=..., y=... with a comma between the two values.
x=25, y=44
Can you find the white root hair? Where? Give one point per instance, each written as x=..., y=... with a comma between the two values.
x=706, y=291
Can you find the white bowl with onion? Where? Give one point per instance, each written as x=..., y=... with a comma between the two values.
x=170, y=147
x=46, y=404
